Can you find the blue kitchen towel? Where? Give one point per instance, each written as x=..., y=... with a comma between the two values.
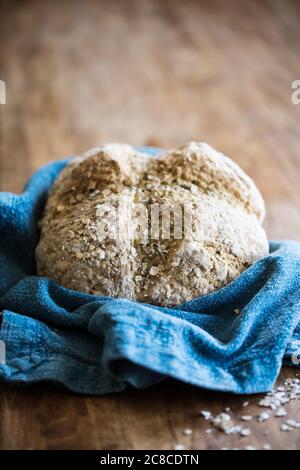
x=96, y=345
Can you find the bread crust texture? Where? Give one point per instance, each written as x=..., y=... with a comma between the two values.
x=159, y=229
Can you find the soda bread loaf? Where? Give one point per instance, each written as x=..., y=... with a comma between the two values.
x=159, y=229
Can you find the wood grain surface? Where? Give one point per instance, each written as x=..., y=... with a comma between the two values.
x=81, y=73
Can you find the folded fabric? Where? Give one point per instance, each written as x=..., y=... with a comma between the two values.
x=235, y=339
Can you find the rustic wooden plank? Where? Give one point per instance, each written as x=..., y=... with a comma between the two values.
x=44, y=417
x=156, y=72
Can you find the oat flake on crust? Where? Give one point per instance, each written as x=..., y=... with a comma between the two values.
x=224, y=237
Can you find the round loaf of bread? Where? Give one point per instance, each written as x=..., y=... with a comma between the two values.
x=158, y=228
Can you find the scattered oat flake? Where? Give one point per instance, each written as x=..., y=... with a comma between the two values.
x=246, y=418
x=188, y=432
x=275, y=400
x=283, y=400
x=237, y=311
x=245, y=432
x=280, y=412
x=206, y=414
x=208, y=431
x=267, y=447
x=263, y=417
x=269, y=402
x=235, y=429
x=154, y=271
x=285, y=428
x=179, y=447
x=293, y=423
x=224, y=422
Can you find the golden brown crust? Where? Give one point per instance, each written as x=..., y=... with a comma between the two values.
x=222, y=232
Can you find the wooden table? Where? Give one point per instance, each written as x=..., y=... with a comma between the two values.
x=155, y=72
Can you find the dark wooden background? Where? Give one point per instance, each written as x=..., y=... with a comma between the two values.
x=81, y=73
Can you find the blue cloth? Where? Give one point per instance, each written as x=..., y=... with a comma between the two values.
x=98, y=345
